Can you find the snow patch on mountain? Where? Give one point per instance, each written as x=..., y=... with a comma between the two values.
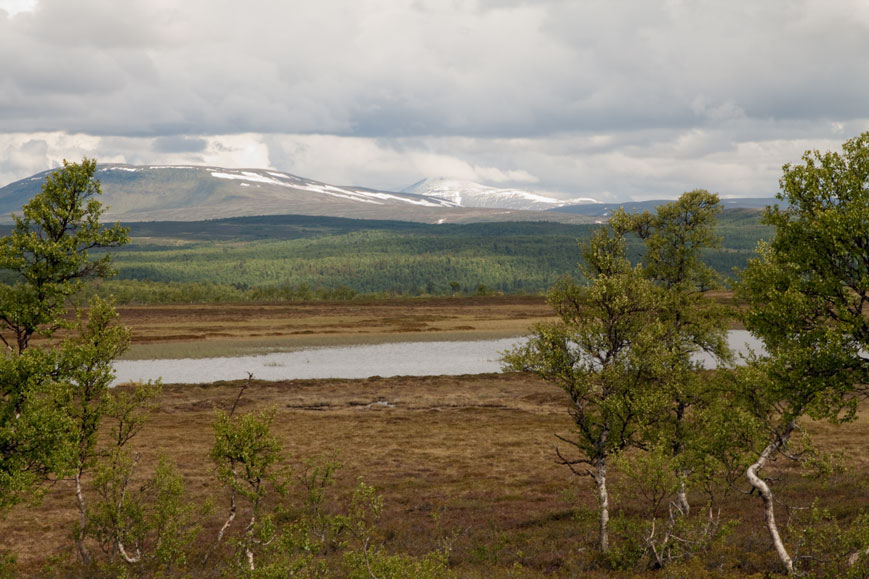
x=161, y=192
x=470, y=194
x=351, y=193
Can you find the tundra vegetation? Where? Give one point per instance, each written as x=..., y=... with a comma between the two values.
x=675, y=453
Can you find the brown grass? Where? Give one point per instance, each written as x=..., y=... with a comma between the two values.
x=466, y=458
x=184, y=331
x=237, y=329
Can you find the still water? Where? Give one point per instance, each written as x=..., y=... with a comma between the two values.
x=397, y=359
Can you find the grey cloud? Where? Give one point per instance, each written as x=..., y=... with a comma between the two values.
x=484, y=69
x=630, y=97
x=178, y=144
x=20, y=160
x=99, y=24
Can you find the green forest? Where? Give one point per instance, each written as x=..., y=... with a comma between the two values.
x=282, y=258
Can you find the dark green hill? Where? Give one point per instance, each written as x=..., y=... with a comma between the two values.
x=294, y=257
x=606, y=209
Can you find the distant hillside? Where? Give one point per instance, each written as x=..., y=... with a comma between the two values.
x=469, y=194
x=273, y=258
x=187, y=193
x=190, y=193
x=605, y=209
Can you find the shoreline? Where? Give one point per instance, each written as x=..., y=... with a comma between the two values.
x=221, y=330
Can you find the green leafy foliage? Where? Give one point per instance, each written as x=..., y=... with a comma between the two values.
x=605, y=353
x=47, y=253
x=807, y=292
x=674, y=240
x=34, y=427
x=86, y=361
x=809, y=286
x=149, y=527
x=50, y=396
x=380, y=563
x=56, y=396
x=622, y=350
x=834, y=549
x=245, y=453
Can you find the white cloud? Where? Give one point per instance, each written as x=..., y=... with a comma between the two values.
x=13, y=7
x=639, y=165
x=245, y=150
x=495, y=175
x=22, y=154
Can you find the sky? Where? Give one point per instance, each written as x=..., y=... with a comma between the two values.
x=613, y=99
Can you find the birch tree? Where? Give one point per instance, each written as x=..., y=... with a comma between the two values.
x=246, y=455
x=34, y=442
x=605, y=353
x=62, y=387
x=807, y=292
x=624, y=347
x=48, y=254
x=86, y=363
x=45, y=261
x=675, y=237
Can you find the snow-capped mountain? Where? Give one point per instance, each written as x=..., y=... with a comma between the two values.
x=255, y=178
x=194, y=193
x=469, y=194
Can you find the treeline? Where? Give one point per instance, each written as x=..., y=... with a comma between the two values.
x=286, y=258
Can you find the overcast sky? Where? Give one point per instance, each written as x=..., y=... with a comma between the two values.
x=618, y=100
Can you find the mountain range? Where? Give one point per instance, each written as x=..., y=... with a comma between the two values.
x=194, y=193
x=469, y=194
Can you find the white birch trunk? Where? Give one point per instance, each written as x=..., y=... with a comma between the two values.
x=82, y=519
x=232, y=510
x=248, y=538
x=603, y=503
x=120, y=545
x=766, y=494
x=123, y=551
x=230, y=519
x=682, y=498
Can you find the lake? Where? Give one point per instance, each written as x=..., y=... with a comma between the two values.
x=393, y=359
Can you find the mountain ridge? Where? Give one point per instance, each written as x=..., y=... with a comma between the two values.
x=470, y=194
x=136, y=193
x=194, y=193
